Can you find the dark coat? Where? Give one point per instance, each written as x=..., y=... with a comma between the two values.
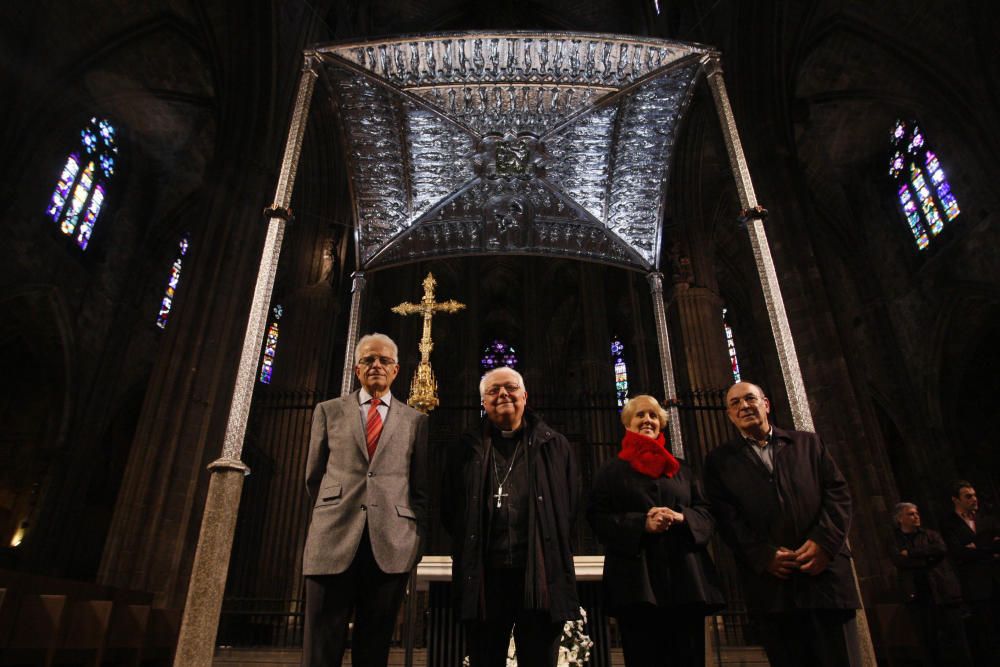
x=554, y=490
x=927, y=556
x=669, y=569
x=978, y=569
x=805, y=498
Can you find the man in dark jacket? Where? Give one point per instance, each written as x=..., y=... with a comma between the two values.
x=973, y=541
x=510, y=495
x=929, y=589
x=785, y=509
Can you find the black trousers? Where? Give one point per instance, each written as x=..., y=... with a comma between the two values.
x=813, y=637
x=364, y=590
x=983, y=630
x=536, y=635
x=662, y=636
x=940, y=631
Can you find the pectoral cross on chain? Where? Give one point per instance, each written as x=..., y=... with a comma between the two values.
x=500, y=495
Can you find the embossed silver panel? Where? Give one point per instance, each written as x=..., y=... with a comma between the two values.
x=551, y=144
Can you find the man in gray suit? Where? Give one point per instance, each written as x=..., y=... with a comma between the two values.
x=367, y=478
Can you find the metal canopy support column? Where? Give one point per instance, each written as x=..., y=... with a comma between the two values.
x=790, y=370
x=666, y=362
x=200, y=623
x=353, y=322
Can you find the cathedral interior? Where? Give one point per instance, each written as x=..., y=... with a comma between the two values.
x=123, y=333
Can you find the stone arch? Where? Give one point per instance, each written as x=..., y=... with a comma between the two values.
x=963, y=381
x=37, y=398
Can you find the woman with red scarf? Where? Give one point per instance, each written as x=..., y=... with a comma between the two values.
x=649, y=512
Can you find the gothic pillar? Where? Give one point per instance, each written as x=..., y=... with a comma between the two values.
x=780, y=329
x=196, y=642
x=696, y=313
x=666, y=362
x=864, y=652
x=353, y=323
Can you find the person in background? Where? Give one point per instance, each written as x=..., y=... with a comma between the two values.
x=929, y=589
x=973, y=541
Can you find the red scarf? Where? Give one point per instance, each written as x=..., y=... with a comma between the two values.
x=648, y=456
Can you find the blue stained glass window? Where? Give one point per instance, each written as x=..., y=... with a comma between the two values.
x=271, y=346
x=621, y=372
x=731, y=345
x=922, y=187
x=81, y=190
x=498, y=353
x=175, y=276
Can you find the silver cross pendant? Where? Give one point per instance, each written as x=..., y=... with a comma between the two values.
x=500, y=495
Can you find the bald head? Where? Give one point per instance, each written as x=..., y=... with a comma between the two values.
x=748, y=408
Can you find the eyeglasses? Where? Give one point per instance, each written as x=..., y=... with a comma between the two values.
x=372, y=358
x=510, y=388
x=751, y=400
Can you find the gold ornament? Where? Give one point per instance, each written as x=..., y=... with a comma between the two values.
x=423, y=388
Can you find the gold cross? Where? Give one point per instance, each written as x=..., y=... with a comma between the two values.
x=423, y=388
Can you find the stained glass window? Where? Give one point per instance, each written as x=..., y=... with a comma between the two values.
x=80, y=192
x=270, y=346
x=923, y=191
x=172, y=280
x=733, y=361
x=496, y=354
x=621, y=372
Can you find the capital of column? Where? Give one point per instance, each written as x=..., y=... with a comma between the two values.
x=310, y=62
x=226, y=463
x=655, y=279
x=713, y=65
x=358, y=281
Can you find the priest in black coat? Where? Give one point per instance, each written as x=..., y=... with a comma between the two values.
x=784, y=509
x=510, y=494
x=648, y=511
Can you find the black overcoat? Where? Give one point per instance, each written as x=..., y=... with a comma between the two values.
x=554, y=490
x=670, y=569
x=978, y=569
x=806, y=497
x=926, y=555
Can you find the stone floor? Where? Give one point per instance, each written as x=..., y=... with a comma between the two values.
x=731, y=657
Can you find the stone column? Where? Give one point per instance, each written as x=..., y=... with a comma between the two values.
x=196, y=643
x=666, y=362
x=696, y=313
x=780, y=329
x=863, y=652
x=353, y=323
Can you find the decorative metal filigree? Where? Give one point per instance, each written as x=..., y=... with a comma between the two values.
x=423, y=387
x=549, y=144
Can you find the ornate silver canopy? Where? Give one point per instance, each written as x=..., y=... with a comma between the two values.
x=526, y=143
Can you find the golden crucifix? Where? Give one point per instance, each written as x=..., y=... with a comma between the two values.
x=423, y=388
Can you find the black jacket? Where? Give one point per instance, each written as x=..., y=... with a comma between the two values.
x=805, y=498
x=554, y=491
x=978, y=569
x=670, y=569
x=925, y=556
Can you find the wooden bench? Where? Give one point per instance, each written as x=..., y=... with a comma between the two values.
x=36, y=630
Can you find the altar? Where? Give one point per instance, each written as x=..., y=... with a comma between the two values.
x=556, y=145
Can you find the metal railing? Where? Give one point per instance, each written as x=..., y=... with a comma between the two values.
x=253, y=615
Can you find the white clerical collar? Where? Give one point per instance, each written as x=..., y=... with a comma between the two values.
x=364, y=397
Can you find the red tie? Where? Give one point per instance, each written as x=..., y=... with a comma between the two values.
x=374, y=429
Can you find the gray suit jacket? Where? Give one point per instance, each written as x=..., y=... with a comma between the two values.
x=390, y=492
